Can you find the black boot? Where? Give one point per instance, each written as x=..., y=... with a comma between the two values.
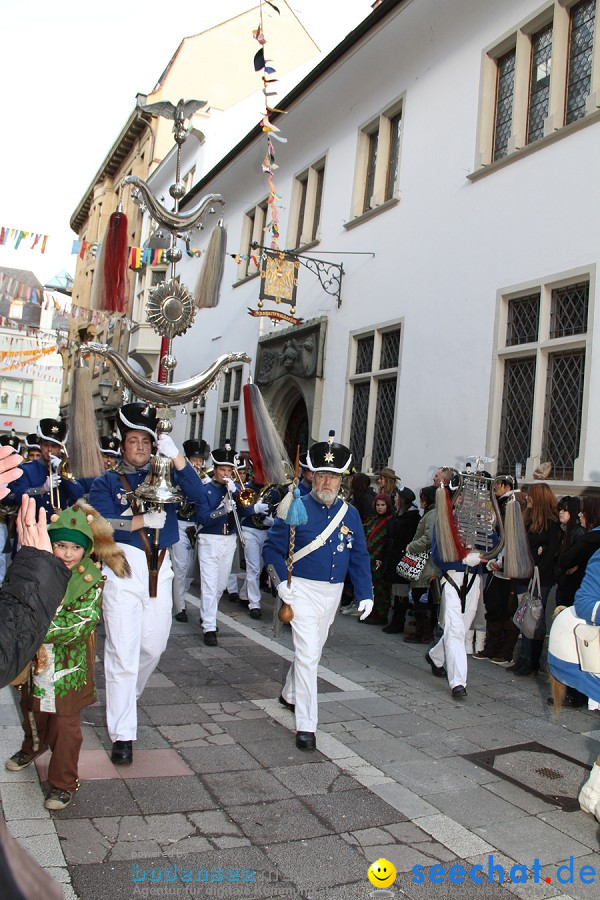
x=396, y=626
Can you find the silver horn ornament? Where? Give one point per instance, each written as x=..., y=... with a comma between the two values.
x=165, y=394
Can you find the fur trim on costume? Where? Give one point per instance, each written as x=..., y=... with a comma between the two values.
x=106, y=549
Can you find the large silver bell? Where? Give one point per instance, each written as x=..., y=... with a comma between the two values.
x=158, y=487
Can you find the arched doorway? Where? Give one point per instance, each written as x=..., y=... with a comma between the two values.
x=296, y=430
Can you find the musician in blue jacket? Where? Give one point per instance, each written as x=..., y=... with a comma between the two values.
x=216, y=513
x=40, y=477
x=330, y=545
x=137, y=624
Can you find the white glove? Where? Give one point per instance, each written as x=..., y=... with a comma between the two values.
x=167, y=446
x=228, y=505
x=366, y=608
x=287, y=593
x=472, y=559
x=55, y=462
x=52, y=481
x=268, y=521
x=261, y=508
x=230, y=485
x=156, y=518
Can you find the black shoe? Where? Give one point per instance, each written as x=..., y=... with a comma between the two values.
x=284, y=702
x=459, y=692
x=210, y=638
x=233, y=598
x=393, y=628
x=181, y=616
x=255, y=614
x=525, y=669
x=516, y=665
x=122, y=753
x=306, y=740
x=438, y=671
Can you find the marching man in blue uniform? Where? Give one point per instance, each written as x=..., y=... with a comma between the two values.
x=40, y=478
x=137, y=612
x=216, y=514
x=183, y=551
x=330, y=545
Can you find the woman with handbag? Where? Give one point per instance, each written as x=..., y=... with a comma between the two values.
x=544, y=535
x=422, y=543
x=376, y=532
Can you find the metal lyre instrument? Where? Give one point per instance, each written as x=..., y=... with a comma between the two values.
x=477, y=513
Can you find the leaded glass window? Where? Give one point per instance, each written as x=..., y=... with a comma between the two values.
x=364, y=354
x=517, y=411
x=358, y=425
x=318, y=202
x=539, y=87
x=563, y=411
x=237, y=390
x=384, y=422
x=505, y=92
x=569, y=310
x=581, y=45
x=303, y=186
x=233, y=425
x=523, y=317
x=227, y=387
x=390, y=349
x=192, y=434
x=223, y=430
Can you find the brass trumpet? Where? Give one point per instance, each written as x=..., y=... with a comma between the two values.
x=246, y=496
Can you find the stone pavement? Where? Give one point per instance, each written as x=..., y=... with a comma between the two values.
x=219, y=794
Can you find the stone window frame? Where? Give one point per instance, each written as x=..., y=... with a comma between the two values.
x=557, y=12
x=383, y=196
x=542, y=348
x=253, y=231
x=306, y=206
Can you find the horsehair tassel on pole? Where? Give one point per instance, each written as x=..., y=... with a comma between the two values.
x=450, y=545
x=267, y=451
x=115, y=262
x=83, y=449
x=206, y=295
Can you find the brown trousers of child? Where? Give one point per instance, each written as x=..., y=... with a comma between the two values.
x=62, y=734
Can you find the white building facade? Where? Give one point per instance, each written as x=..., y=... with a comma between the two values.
x=445, y=154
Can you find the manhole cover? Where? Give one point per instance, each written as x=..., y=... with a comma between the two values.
x=539, y=770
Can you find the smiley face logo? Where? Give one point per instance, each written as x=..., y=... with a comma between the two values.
x=381, y=873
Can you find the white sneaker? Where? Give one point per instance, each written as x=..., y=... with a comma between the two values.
x=350, y=610
x=589, y=795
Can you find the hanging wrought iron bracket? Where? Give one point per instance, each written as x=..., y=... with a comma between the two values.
x=329, y=274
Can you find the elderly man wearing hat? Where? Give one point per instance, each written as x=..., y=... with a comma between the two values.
x=330, y=545
x=196, y=453
x=40, y=477
x=217, y=515
x=137, y=609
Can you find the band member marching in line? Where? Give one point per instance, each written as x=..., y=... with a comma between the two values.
x=330, y=545
x=217, y=515
x=137, y=609
x=306, y=482
x=41, y=478
x=255, y=521
x=196, y=453
x=31, y=445
x=110, y=448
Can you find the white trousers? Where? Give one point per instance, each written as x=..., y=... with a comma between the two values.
x=183, y=562
x=215, y=555
x=254, y=540
x=137, y=630
x=450, y=649
x=314, y=613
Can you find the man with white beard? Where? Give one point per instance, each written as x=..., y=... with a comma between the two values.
x=330, y=545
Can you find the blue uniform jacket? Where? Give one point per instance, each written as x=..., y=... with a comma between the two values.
x=587, y=598
x=108, y=496
x=32, y=480
x=344, y=553
x=209, y=512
